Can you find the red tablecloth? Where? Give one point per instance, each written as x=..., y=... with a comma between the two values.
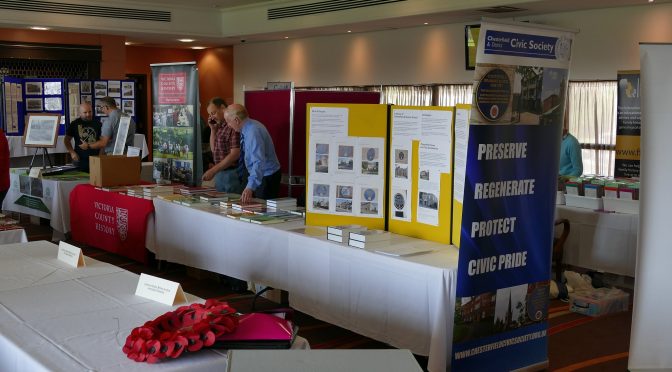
x=110, y=221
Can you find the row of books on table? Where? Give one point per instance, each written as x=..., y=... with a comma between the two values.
x=8, y=223
x=257, y=211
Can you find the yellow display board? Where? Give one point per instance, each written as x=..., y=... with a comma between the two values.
x=461, y=136
x=356, y=130
x=427, y=133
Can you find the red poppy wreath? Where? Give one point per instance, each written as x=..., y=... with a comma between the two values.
x=189, y=328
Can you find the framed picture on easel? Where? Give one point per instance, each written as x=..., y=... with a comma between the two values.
x=41, y=130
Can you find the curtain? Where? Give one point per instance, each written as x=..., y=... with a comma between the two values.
x=407, y=95
x=592, y=120
x=452, y=94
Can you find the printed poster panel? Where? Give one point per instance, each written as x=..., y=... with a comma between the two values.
x=175, y=116
x=628, y=125
x=509, y=197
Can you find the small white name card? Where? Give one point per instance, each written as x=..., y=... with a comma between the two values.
x=35, y=172
x=160, y=290
x=70, y=254
x=133, y=151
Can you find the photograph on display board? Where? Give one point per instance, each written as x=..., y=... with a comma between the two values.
x=182, y=170
x=52, y=88
x=53, y=104
x=41, y=130
x=173, y=143
x=553, y=95
x=428, y=200
x=114, y=88
x=99, y=108
x=128, y=107
x=346, y=157
x=370, y=163
x=401, y=156
x=321, y=196
x=100, y=89
x=506, y=309
x=34, y=104
x=369, y=201
x=322, y=158
x=401, y=171
x=399, y=203
x=33, y=88
x=73, y=88
x=343, y=198
x=173, y=116
x=85, y=87
x=127, y=89
x=162, y=169
x=86, y=98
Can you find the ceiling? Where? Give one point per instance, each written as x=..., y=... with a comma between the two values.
x=376, y=18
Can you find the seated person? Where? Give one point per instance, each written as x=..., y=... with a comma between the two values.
x=85, y=130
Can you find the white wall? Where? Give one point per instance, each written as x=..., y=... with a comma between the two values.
x=608, y=41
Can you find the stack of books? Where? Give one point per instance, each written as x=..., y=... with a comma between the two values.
x=254, y=205
x=153, y=191
x=218, y=196
x=195, y=190
x=281, y=203
x=369, y=238
x=340, y=233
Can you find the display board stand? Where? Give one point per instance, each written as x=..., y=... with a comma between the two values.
x=45, y=155
x=346, y=164
x=420, y=172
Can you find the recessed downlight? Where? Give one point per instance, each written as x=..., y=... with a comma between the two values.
x=197, y=47
x=39, y=28
x=186, y=40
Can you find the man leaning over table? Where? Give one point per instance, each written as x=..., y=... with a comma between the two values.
x=258, y=156
x=225, y=145
x=85, y=130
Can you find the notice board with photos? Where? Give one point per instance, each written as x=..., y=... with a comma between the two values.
x=420, y=180
x=346, y=164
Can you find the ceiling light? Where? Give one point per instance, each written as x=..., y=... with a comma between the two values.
x=426, y=23
x=349, y=31
x=650, y=1
x=286, y=37
x=186, y=40
x=198, y=47
x=128, y=43
x=39, y=28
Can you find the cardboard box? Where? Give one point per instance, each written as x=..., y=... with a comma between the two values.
x=114, y=170
x=599, y=301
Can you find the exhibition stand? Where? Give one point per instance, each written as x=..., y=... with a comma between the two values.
x=16, y=148
x=110, y=221
x=56, y=317
x=45, y=198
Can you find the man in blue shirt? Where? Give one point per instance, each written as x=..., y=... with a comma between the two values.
x=571, y=163
x=257, y=155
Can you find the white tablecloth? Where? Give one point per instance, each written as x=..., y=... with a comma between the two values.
x=57, y=318
x=601, y=240
x=55, y=195
x=16, y=148
x=406, y=302
x=13, y=236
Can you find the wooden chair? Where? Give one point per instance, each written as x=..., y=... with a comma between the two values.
x=558, y=247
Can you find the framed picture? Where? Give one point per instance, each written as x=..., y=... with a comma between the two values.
x=33, y=88
x=127, y=89
x=52, y=88
x=86, y=86
x=41, y=130
x=34, y=104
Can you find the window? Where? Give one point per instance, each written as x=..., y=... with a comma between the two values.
x=592, y=120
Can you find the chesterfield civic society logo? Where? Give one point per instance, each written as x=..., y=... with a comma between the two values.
x=122, y=223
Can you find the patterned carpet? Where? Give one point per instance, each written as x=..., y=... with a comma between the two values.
x=576, y=342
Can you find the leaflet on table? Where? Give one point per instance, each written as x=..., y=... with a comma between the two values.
x=346, y=176
x=329, y=121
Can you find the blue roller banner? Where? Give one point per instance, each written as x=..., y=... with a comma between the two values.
x=501, y=307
